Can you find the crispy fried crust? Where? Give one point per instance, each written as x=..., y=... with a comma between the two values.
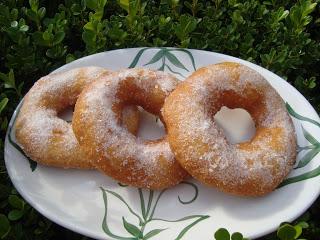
x=116, y=152
x=252, y=168
x=44, y=136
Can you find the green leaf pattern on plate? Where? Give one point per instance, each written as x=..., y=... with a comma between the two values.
x=312, y=150
x=147, y=215
x=167, y=58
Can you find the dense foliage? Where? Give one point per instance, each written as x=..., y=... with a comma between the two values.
x=37, y=36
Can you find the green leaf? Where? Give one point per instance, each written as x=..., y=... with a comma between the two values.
x=161, y=68
x=11, y=78
x=149, y=202
x=236, y=236
x=132, y=229
x=16, y=202
x=39, y=40
x=92, y=4
x=298, y=231
x=308, y=157
x=180, y=219
x=3, y=104
x=70, y=57
x=137, y=58
x=34, y=4
x=152, y=233
x=309, y=137
x=171, y=70
x=89, y=37
x=97, y=16
x=236, y=17
x=175, y=61
x=286, y=232
x=283, y=15
x=47, y=36
x=222, y=234
x=15, y=214
x=56, y=52
x=125, y=5
x=143, y=207
x=189, y=54
x=24, y=28
x=9, y=81
x=58, y=38
x=156, y=57
x=300, y=117
x=90, y=26
x=156, y=203
x=42, y=12
x=311, y=174
x=181, y=234
x=4, y=226
x=105, y=226
x=122, y=200
x=303, y=224
x=102, y=3
x=186, y=25
x=187, y=228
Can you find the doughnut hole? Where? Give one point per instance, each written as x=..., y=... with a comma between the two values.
x=66, y=114
x=150, y=126
x=251, y=168
x=237, y=124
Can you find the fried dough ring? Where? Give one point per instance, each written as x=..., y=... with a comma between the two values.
x=251, y=168
x=44, y=136
x=116, y=152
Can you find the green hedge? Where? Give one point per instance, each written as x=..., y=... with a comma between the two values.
x=38, y=36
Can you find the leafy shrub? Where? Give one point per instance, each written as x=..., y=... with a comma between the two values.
x=37, y=36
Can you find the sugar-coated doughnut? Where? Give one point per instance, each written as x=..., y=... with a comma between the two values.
x=116, y=152
x=251, y=168
x=44, y=136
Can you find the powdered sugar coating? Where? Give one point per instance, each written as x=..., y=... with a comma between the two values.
x=130, y=160
x=44, y=136
x=250, y=168
x=39, y=111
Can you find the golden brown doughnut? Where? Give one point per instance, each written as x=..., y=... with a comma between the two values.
x=251, y=168
x=44, y=136
x=116, y=152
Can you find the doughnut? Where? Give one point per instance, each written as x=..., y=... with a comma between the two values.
x=251, y=168
x=44, y=136
x=116, y=152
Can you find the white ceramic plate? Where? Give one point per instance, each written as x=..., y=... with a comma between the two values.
x=95, y=205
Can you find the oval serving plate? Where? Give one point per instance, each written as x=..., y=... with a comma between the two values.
x=95, y=205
